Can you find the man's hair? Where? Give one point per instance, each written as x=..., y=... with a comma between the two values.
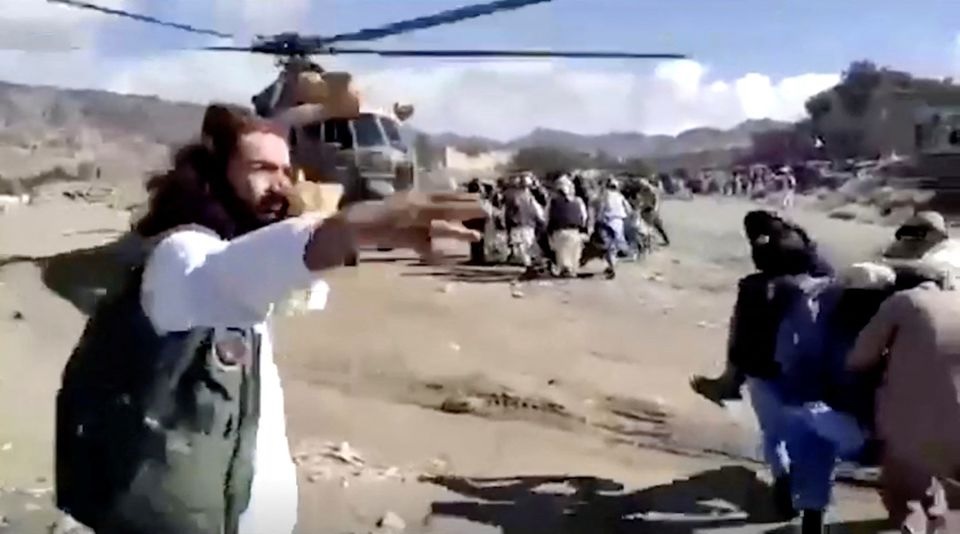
x=196, y=189
x=787, y=248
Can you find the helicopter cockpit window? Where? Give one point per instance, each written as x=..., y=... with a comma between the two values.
x=393, y=132
x=313, y=131
x=338, y=131
x=368, y=131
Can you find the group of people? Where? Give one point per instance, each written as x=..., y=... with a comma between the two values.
x=756, y=180
x=860, y=365
x=171, y=420
x=561, y=225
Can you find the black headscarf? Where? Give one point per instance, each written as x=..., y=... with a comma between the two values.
x=779, y=247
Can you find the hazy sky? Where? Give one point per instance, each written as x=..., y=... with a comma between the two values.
x=751, y=58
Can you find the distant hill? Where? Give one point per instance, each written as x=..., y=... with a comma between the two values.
x=625, y=144
x=42, y=128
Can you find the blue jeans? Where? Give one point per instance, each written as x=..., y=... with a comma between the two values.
x=817, y=437
x=805, y=441
x=769, y=410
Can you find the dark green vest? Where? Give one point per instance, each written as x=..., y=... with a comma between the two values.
x=156, y=433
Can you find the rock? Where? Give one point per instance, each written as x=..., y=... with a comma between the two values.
x=392, y=522
x=17, y=316
x=346, y=454
x=391, y=472
x=4, y=522
x=438, y=466
x=461, y=404
x=455, y=347
x=6, y=447
x=32, y=507
x=38, y=493
x=842, y=215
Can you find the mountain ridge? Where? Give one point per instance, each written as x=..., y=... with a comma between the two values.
x=44, y=127
x=622, y=143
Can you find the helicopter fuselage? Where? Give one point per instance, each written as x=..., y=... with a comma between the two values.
x=367, y=154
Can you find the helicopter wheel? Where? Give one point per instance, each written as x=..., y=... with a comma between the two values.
x=352, y=260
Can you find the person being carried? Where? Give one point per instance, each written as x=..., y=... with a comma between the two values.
x=812, y=395
x=170, y=417
x=778, y=248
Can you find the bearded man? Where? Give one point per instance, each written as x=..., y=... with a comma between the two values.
x=170, y=418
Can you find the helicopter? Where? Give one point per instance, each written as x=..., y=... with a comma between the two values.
x=358, y=147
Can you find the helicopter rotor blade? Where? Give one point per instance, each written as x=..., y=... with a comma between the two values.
x=430, y=21
x=41, y=48
x=140, y=17
x=230, y=49
x=504, y=54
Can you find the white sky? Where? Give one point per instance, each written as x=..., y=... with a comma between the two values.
x=500, y=99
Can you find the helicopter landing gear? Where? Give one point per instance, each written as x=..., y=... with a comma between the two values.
x=352, y=260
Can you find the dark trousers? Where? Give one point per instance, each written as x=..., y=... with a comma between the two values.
x=477, y=254
x=652, y=217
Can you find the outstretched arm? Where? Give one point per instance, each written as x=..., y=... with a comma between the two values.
x=193, y=278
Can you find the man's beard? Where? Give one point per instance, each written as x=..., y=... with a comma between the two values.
x=273, y=207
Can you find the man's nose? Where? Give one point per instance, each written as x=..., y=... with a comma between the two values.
x=279, y=181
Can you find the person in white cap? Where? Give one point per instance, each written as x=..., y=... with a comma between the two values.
x=789, y=184
x=914, y=340
x=925, y=237
x=612, y=212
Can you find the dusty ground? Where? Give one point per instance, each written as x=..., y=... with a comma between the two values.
x=580, y=418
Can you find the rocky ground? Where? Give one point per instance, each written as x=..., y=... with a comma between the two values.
x=449, y=400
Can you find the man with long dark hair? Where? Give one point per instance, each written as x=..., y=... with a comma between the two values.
x=170, y=418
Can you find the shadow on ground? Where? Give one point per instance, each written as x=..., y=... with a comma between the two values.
x=468, y=274
x=728, y=497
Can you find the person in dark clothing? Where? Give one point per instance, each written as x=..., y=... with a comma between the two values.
x=542, y=196
x=566, y=224
x=477, y=248
x=777, y=248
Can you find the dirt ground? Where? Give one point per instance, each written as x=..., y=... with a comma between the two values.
x=474, y=404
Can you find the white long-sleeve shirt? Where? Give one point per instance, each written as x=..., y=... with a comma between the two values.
x=195, y=279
